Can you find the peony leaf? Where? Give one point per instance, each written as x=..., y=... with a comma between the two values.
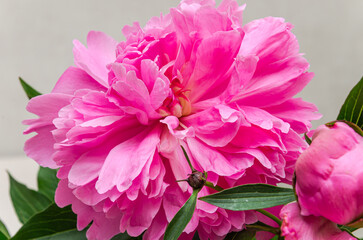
x=353, y=106
x=4, y=234
x=26, y=202
x=47, y=182
x=53, y=223
x=307, y=139
x=182, y=217
x=30, y=92
x=246, y=234
x=125, y=236
x=356, y=224
x=196, y=236
x=69, y=235
x=250, y=197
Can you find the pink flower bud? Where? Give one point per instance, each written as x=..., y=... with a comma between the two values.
x=297, y=227
x=329, y=175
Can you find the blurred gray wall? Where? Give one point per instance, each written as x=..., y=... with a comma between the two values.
x=36, y=43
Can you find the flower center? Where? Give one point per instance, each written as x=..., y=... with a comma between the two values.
x=178, y=104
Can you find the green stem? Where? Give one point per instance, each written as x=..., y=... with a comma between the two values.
x=186, y=156
x=270, y=215
x=216, y=187
x=264, y=228
x=349, y=232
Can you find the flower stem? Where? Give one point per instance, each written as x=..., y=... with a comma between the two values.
x=264, y=228
x=216, y=187
x=186, y=156
x=270, y=215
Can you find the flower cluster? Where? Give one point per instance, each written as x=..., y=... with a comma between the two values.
x=114, y=124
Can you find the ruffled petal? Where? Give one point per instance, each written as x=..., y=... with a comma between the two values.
x=215, y=126
x=95, y=58
x=125, y=162
x=211, y=65
x=74, y=79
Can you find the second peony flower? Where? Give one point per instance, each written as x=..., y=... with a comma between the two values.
x=329, y=175
x=115, y=122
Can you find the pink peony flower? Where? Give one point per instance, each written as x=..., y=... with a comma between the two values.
x=195, y=77
x=329, y=174
x=298, y=227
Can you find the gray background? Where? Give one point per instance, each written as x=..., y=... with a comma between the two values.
x=36, y=43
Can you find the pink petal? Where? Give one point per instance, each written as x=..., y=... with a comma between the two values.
x=63, y=195
x=210, y=159
x=171, y=150
x=263, y=119
x=46, y=106
x=208, y=20
x=138, y=218
x=273, y=95
x=125, y=162
x=40, y=147
x=297, y=113
x=296, y=226
x=133, y=97
x=88, y=194
x=215, y=126
x=212, y=64
x=94, y=59
x=173, y=124
x=253, y=137
x=74, y=79
x=270, y=39
x=87, y=167
x=103, y=228
x=233, y=10
x=157, y=227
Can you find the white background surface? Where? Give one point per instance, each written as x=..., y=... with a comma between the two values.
x=36, y=43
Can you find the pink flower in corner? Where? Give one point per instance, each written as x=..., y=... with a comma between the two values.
x=298, y=227
x=196, y=77
x=329, y=175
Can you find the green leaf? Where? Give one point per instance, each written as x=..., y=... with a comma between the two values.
x=26, y=202
x=30, y=92
x=3, y=231
x=307, y=139
x=181, y=218
x=69, y=235
x=353, y=106
x=52, y=223
x=4, y=234
x=246, y=234
x=250, y=196
x=125, y=236
x=47, y=182
x=196, y=236
x=358, y=223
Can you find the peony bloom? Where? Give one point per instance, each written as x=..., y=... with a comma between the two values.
x=329, y=175
x=196, y=77
x=298, y=227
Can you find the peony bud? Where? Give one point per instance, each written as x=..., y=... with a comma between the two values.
x=329, y=175
x=196, y=180
x=297, y=227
